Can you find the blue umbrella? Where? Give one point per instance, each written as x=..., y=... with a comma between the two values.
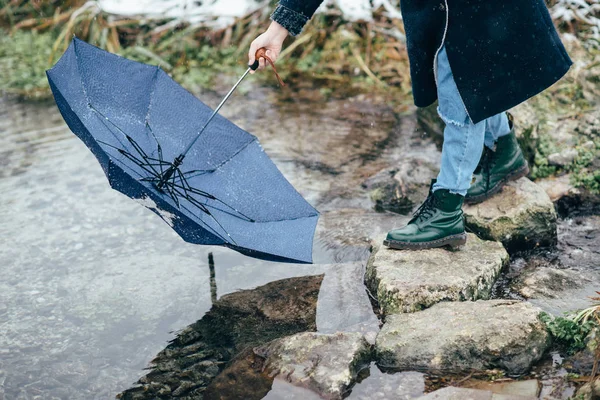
x=210, y=181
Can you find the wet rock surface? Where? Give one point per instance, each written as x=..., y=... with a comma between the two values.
x=340, y=237
x=401, y=189
x=589, y=391
x=559, y=279
x=454, y=393
x=324, y=363
x=558, y=187
x=461, y=336
x=235, y=322
x=409, y=281
x=547, y=282
x=521, y=216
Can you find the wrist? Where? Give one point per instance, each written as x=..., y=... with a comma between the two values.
x=277, y=30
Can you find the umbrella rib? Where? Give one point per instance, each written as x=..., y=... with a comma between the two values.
x=200, y=192
x=160, y=155
x=173, y=192
x=212, y=229
x=188, y=188
x=144, y=156
x=173, y=196
x=134, y=159
x=131, y=157
x=195, y=173
x=238, y=151
x=201, y=206
x=233, y=155
x=229, y=212
x=104, y=123
x=135, y=145
x=124, y=164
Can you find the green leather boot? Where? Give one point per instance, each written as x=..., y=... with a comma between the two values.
x=497, y=167
x=438, y=222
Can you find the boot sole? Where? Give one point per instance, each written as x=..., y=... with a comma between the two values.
x=513, y=176
x=454, y=241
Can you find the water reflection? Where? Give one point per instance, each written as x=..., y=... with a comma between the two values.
x=213, y=358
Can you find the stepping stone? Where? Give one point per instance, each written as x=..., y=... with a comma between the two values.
x=461, y=336
x=455, y=393
x=412, y=280
x=521, y=216
x=324, y=364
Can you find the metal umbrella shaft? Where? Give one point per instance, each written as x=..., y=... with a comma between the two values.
x=179, y=159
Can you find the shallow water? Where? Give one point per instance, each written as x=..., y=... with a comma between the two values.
x=93, y=285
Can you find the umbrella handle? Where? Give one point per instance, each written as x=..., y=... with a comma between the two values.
x=262, y=52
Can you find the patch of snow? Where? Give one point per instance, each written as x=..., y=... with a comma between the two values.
x=220, y=13
x=216, y=13
x=585, y=12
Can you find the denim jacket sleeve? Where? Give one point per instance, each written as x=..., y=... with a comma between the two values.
x=294, y=14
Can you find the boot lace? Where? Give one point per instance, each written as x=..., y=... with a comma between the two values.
x=426, y=210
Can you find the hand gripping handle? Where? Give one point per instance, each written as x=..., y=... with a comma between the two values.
x=262, y=52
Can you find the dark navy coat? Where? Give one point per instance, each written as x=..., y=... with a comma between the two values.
x=501, y=52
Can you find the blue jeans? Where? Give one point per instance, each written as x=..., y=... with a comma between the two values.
x=463, y=140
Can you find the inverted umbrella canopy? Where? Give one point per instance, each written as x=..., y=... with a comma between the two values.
x=136, y=120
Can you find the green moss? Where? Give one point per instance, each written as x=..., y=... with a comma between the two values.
x=566, y=332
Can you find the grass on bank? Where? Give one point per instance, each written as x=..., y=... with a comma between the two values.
x=333, y=54
x=330, y=50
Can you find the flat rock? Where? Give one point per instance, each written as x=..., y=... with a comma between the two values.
x=455, y=393
x=411, y=280
x=521, y=216
x=563, y=279
x=547, y=282
x=461, y=336
x=557, y=187
x=325, y=364
x=563, y=158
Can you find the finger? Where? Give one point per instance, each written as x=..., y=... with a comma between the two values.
x=252, y=52
x=272, y=56
x=261, y=62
